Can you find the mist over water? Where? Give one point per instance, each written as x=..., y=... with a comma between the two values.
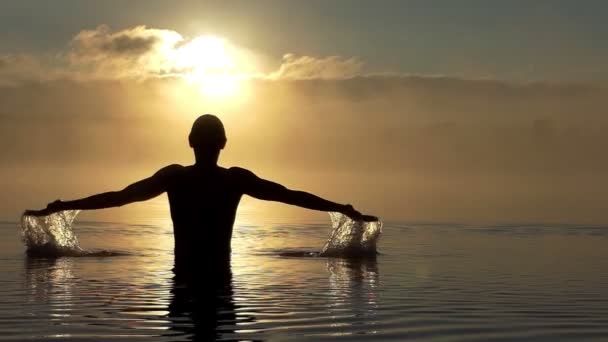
x=523, y=152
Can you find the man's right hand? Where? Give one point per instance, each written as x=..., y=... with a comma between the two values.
x=51, y=208
x=349, y=211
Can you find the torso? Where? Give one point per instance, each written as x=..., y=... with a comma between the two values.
x=203, y=207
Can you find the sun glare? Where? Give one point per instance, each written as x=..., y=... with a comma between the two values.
x=208, y=62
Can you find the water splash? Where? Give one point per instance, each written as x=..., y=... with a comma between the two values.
x=52, y=236
x=351, y=238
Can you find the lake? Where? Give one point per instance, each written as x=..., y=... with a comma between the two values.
x=431, y=282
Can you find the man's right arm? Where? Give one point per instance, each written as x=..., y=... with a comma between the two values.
x=270, y=191
x=139, y=191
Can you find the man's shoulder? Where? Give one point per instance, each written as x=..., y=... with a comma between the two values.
x=241, y=177
x=170, y=170
x=240, y=172
x=174, y=167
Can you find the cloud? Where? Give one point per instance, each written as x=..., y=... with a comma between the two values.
x=136, y=41
x=99, y=54
x=144, y=53
x=135, y=52
x=148, y=52
x=307, y=67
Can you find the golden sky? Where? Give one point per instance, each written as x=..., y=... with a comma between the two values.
x=114, y=105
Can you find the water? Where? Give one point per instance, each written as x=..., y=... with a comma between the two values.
x=430, y=282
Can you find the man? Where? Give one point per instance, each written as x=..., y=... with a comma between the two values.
x=203, y=199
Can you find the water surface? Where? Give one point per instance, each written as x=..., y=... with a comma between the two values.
x=431, y=282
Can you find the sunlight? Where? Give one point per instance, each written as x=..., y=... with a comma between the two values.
x=209, y=63
x=206, y=52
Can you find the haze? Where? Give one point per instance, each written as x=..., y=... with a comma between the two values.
x=400, y=129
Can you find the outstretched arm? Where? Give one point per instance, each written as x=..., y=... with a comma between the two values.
x=270, y=191
x=139, y=191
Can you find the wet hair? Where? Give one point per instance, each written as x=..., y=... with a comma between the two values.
x=207, y=133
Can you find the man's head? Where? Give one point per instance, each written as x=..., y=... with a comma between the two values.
x=207, y=134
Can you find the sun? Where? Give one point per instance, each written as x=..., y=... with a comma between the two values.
x=209, y=63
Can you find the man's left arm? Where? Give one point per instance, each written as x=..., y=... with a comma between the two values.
x=270, y=191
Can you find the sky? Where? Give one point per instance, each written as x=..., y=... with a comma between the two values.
x=543, y=39
x=410, y=110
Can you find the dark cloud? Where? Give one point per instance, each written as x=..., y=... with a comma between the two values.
x=135, y=52
x=135, y=41
x=124, y=44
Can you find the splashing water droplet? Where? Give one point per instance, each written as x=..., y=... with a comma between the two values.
x=50, y=235
x=351, y=238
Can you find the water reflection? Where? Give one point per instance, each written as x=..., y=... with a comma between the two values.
x=205, y=310
x=103, y=304
x=353, y=285
x=359, y=271
x=49, y=279
x=50, y=290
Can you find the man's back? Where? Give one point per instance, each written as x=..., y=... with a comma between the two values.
x=203, y=204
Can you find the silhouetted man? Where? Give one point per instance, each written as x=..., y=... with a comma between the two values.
x=203, y=199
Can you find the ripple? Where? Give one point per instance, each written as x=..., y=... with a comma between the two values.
x=432, y=282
